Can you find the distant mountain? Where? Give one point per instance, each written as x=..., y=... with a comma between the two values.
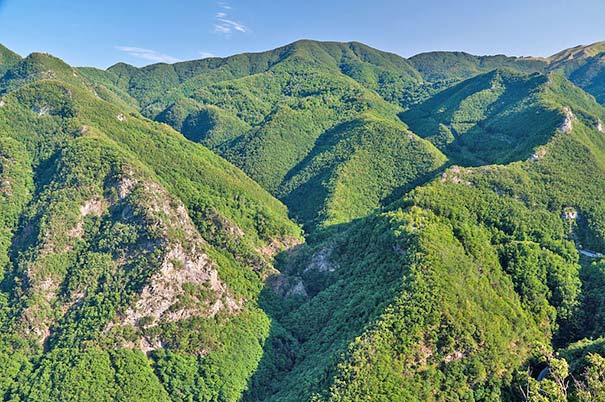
x=436, y=66
x=452, y=208
x=575, y=55
x=583, y=65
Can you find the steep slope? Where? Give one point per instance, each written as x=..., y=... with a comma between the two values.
x=138, y=265
x=584, y=66
x=575, y=55
x=590, y=76
x=355, y=168
x=493, y=118
x=290, y=99
x=8, y=58
x=126, y=250
x=455, y=293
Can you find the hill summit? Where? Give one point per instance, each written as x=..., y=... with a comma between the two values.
x=319, y=222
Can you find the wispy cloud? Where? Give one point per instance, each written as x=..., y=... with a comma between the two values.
x=148, y=54
x=225, y=25
x=205, y=55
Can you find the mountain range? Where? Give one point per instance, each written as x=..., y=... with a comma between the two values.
x=323, y=221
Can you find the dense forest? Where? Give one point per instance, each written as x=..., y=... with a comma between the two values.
x=320, y=222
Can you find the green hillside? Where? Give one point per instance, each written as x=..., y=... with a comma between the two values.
x=111, y=237
x=452, y=208
x=356, y=168
x=455, y=291
x=8, y=59
x=437, y=66
x=583, y=65
x=492, y=118
x=290, y=99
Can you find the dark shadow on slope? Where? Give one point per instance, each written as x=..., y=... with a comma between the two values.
x=495, y=118
x=328, y=293
x=313, y=189
x=356, y=168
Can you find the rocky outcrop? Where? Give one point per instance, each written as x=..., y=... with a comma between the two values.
x=186, y=284
x=288, y=286
x=539, y=154
x=455, y=175
x=41, y=111
x=320, y=261
x=568, y=121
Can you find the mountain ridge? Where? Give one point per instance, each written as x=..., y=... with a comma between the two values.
x=443, y=229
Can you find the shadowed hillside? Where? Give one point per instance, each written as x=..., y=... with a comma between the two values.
x=452, y=204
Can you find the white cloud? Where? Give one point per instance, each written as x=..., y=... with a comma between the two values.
x=147, y=54
x=205, y=55
x=227, y=26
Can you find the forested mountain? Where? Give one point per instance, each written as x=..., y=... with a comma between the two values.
x=323, y=221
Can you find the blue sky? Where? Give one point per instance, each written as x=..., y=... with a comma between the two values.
x=101, y=33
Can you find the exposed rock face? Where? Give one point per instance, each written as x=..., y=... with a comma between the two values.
x=454, y=175
x=121, y=117
x=187, y=283
x=288, y=286
x=95, y=207
x=570, y=213
x=567, y=124
x=160, y=296
x=33, y=317
x=320, y=261
x=182, y=281
x=600, y=126
x=298, y=289
x=41, y=111
x=539, y=154
x=277, y=245
x=456, y=355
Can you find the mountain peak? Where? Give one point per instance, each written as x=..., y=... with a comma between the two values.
x=578, y=52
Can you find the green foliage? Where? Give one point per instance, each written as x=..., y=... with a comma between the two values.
x=420, y=280
x=355, y=169
x=93, y=198
x=486, y=119
x=436, y=66
x=8, y=59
